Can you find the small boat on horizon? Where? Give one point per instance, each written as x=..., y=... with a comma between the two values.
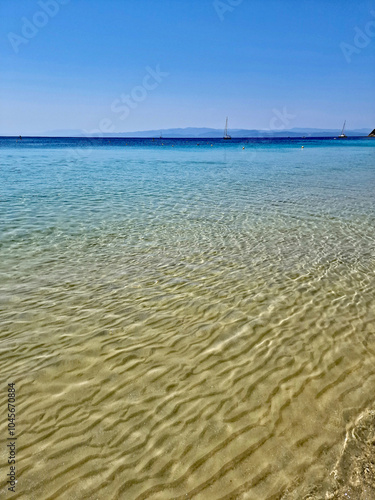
x=342, y=135
x=226, y=136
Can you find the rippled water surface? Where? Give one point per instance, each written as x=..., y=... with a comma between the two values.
x=187, y=321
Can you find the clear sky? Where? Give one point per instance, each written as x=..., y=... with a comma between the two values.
x=83, y=64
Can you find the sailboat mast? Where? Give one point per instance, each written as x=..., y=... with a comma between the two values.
x=343, y=128
x=226, y=136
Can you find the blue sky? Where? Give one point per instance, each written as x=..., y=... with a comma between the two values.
x=250, y=60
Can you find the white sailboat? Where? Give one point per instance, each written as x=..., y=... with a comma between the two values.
x=226, y=136
x=342, y=135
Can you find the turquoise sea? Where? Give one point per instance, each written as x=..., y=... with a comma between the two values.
x=189, y=319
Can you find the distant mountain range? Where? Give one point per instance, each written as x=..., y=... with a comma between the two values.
x=206, y=133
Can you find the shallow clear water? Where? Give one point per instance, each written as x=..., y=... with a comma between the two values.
x=187, y=321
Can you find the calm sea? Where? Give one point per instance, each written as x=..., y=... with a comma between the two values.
x=188, y=318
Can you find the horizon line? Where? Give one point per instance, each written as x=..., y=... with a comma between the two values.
x=175, y=138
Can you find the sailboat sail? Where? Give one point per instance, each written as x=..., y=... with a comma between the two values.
x=226, y=136
x=342, y=135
